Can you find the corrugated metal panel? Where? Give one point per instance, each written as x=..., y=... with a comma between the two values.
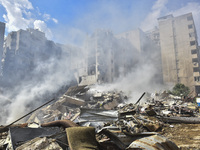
x=155, y=142
x=98, y=115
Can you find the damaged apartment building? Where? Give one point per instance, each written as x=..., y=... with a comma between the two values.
x=107, y=57
x=23, y=51
x=171, y=48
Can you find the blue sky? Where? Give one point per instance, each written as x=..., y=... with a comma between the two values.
x=69, y=21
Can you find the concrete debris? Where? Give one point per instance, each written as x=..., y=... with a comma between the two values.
x=18, y=136
x=40, y=143
x=89, y=119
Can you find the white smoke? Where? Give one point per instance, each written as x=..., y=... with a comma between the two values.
x=16, y=10
x=41, y=26
x=31, y=94
x=156, y=11
x=135, y=83
x=21, y=15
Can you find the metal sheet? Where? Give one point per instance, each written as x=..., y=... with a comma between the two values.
x=21, y=135
x=96, y=115
x=155, y=142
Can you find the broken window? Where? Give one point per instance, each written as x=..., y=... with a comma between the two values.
x=190, y=26
x=192, y=43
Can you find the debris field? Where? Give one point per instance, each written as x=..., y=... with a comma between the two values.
x=86, y=119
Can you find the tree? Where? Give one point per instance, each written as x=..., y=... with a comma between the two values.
x=180, y=90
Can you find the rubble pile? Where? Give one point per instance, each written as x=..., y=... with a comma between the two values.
x=85, y=119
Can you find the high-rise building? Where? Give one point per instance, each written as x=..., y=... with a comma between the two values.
x=106, y=58
x=180, y=51
x=2, y=32
x=154, y=35
x=23, y=51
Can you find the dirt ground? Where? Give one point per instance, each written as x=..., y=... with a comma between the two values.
x=186, y=136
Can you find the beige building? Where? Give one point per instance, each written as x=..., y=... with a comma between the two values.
x=180, y=51
x=136, y=37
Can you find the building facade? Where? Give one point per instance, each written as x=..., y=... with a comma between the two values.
x=180, y=51
x=23, y=51
x=105, y=58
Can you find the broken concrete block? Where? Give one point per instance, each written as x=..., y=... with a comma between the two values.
x=74, y=101
x=110, y=105
x=152, y=127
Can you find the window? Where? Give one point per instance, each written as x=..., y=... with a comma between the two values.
x=190, y=26
x=189, y=18
x=192, y=43
x=195, y=60
x=196, y=69
x=196, y=78
x=191, y=34
x=193, y=51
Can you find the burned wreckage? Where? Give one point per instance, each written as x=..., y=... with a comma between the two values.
x=85, y=119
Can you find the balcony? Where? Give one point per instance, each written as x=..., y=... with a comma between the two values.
x=194, y=56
